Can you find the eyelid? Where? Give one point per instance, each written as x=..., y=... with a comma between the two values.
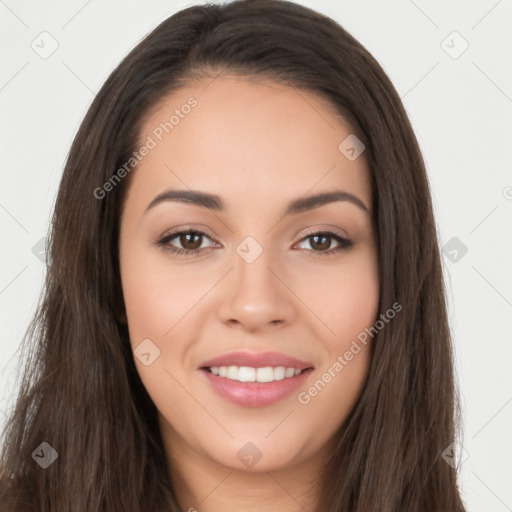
x=322, y=228
x=343, y=241
x=168, y=236
x=196, y=228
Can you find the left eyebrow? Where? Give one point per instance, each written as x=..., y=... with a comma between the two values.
x=214, y=202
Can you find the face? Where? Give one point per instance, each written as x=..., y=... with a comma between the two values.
x=229, y=295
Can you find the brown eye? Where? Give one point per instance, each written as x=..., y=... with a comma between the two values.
x=320, y=243
x=191, y=241
x=186, y=242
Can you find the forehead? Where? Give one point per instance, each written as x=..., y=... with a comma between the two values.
x=247, y=138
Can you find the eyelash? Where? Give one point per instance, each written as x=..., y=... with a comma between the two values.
x=164, y=242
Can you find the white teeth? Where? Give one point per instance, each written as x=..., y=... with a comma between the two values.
x=232, y=372
x=265, y=374
x=248, y=374
x=279, y=373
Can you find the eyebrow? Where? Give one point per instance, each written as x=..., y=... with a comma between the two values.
x=214, y=202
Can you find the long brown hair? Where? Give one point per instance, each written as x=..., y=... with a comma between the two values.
x=80, y=391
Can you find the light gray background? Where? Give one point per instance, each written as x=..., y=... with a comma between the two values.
x=461, y=110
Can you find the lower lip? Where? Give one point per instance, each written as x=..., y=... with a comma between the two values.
x=255, y=394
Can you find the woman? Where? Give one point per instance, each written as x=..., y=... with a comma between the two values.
x=244, y=305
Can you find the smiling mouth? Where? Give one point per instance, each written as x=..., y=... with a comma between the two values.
x=250, y=374
x=255, y=387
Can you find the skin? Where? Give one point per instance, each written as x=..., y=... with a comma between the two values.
x=258, y=145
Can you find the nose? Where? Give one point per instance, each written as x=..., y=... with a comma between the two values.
x=257, y=297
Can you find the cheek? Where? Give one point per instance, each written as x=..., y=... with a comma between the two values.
x=356, y=304
x=348, y=307
x=157, y=300
x=162, y=301
x=158, y=296
x=345, y=299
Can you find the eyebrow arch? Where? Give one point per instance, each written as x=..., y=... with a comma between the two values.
x=214, y=202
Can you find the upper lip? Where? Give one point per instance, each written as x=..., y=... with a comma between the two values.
x=260, y=360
